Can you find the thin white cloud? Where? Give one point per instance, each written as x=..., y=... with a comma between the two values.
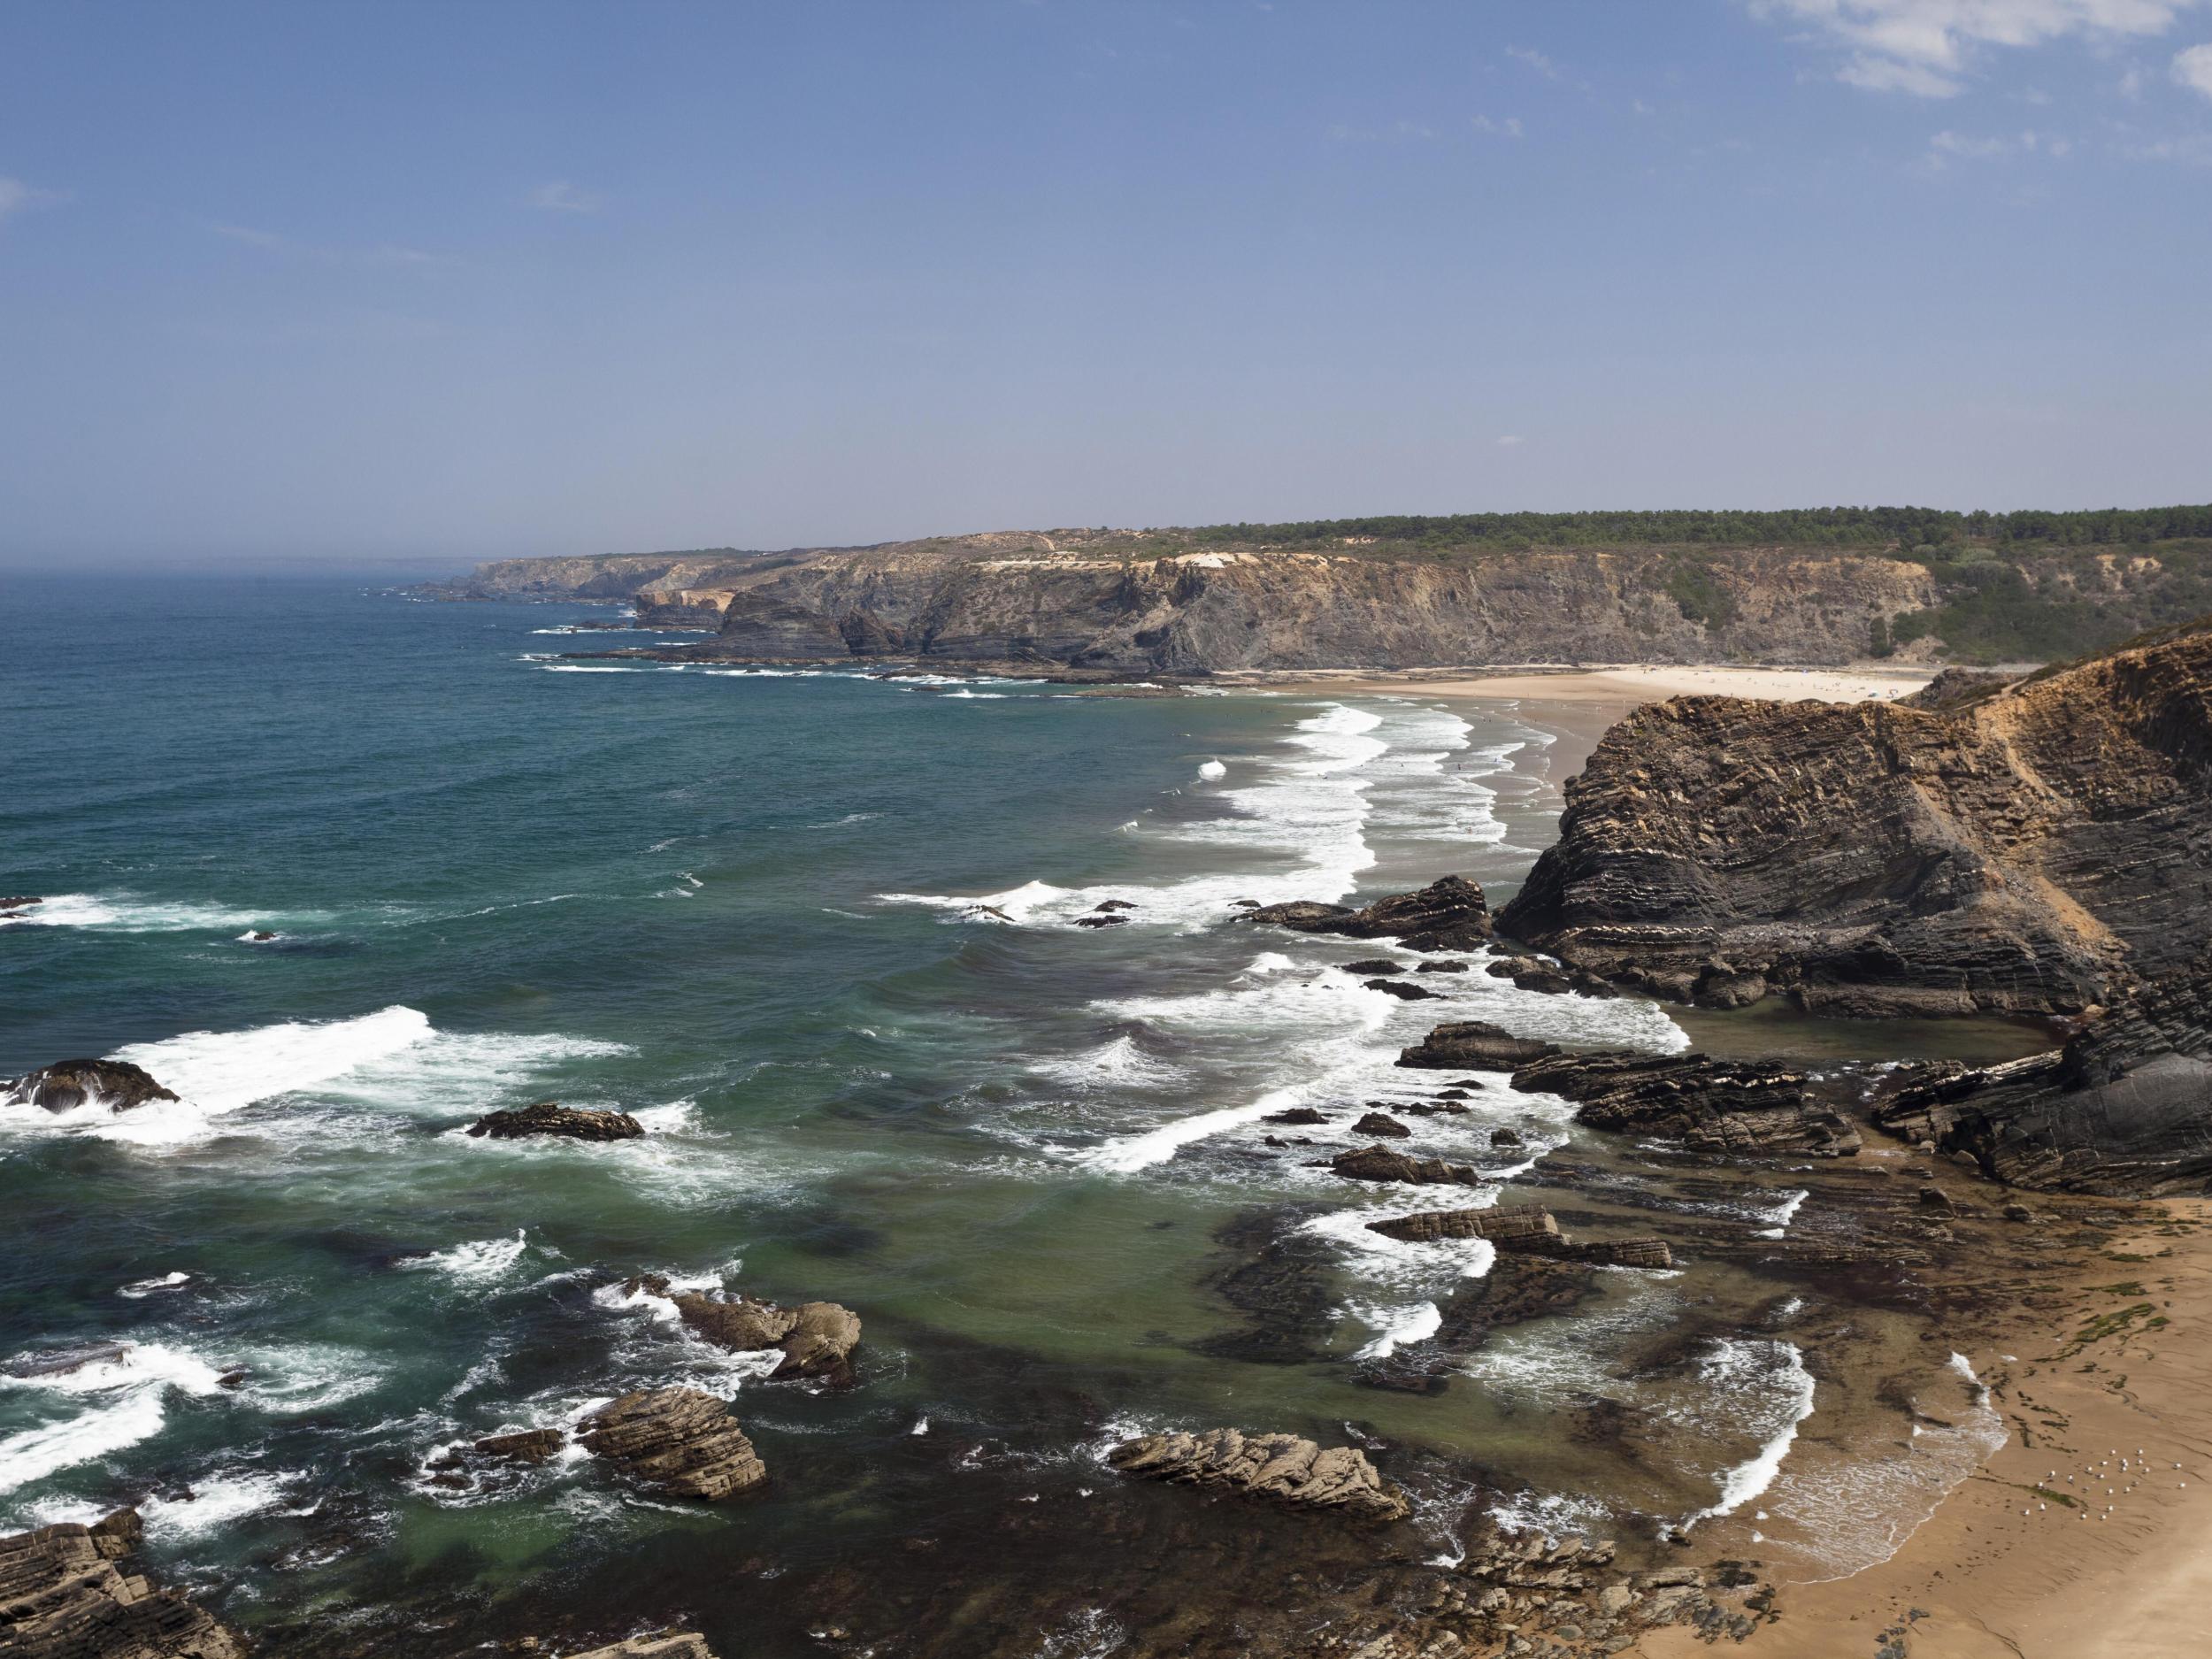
x=2193, y=68
x=1535, y=60
x=1511, y=440
x=560, y=196
x=15, y=196
x=277, y=242
x=1949, y=146
x=1509, y=127
x=1927, y=47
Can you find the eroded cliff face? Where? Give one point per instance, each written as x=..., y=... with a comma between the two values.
x=1051, y=598
x=609, y=576
x=2035, y=852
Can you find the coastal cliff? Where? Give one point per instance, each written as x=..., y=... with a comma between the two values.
x=2027, y=853
x=1828, y=586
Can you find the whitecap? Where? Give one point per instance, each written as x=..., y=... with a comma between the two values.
x=479, y=1262
x=130, y=913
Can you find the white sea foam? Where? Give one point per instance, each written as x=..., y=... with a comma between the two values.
x=1119, y=1063
x=1303, y=816
x=1394, y=1327
x=121, y=1402
x=130, y=913
x=217, y=1073
x=138, y=1289
x=480, y=1262
x=1788, y=1390
x=1212, y=771
x=216, y=1502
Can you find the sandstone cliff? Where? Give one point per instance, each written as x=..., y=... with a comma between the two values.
x=2027, y=853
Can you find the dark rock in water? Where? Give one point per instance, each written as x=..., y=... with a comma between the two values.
x=1376, y=1124
x=16, y=904
x=550, y=1118
x=1731, y=1106
x=528, y=1446
x=676, y=1645
x=1296, y=1115
x=1370, y=964
x=2029, y=851
x=261, y=936
x=60, y=1361
x=985, y=913
x=1404, y=990
x=1506, y=1138
x=1441, y=967
x=1244, y=904
x=1453, y=1094
x=2125, y=1107
x=1446, y=915
x=1380, y=1163
x=1283, y=1467
x=1283, y=1280
x=679, y=1441
x=1474, y=1043
x=68, y=1084
x=1110, y=905
x=62, y=1597
x=1524, y=1229
x=1533, y=973
x=1102, y=921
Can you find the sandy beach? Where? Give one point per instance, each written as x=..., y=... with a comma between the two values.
x=2116, y=1366
x=1625, y=683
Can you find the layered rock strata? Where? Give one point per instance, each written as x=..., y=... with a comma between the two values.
x=2029, y=849
x=681, y=1442
x=1449, y=914
x=1728, y=1107
x=62, y=1596
x=1283, y=1467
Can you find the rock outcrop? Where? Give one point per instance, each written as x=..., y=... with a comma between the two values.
x=1380, y=1163
x=675, y=1644
x=2032, y=851
x=550, y=1118
x=681, y=1442
x=2126, y=1107
x=1474, y=1044
x=817, y=1338
x=1449, y=914
x=62, y=1596
x=1723, y=1106
x=1524, y=1229
x=68, y=1084
x=1282, y=1467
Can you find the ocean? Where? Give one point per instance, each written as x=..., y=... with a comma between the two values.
x=746, y=907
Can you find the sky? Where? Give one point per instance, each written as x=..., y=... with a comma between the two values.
x=400, y=281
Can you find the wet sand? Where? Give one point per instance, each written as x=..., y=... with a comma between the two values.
x=2081, y=1383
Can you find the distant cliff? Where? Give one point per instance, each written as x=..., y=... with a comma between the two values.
x=1417, y=593
x=2033, y=850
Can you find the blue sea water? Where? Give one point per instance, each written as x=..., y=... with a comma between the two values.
x=744, y=907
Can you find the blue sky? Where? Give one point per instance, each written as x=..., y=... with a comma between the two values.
x=450, y=281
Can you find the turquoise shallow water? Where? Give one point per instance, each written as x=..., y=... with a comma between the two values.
x=739, y=906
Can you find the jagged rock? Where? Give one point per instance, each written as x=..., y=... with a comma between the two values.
x=679, y=1645
x=1526, y=1229
x=987, y=913
x=1296, y=1115
x=550, y=1118
x=1506, y=1138
x=1731, y=1106
x=1102, y=921
x=2018, y=1212
x=1471, y=1044
x=62, y=1597
x=1404, y=990
x=1936, y=1199
x=2027, y=853
x=1369, y=965
x=1448, y=966
x=1110, y=906
x=817, y=1338
x=15, y=904
x=1380, y=1163
x=1377, y=1124
x=68, y=1084
x=1283, y=1467
x=679, y=1441
x=527, y=1446
x=1449, y=914
x=2126, y=1107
